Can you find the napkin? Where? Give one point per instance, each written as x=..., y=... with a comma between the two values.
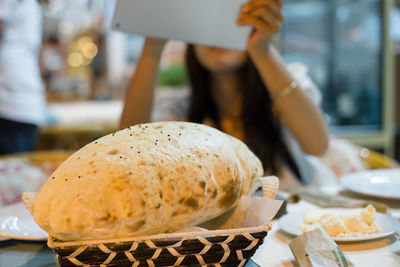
x=316, y=248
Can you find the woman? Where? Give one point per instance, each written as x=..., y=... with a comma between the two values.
x=245, y=94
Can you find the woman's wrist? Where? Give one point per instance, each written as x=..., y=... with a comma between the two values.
x=273, y=70
x=154, y=46
x=260, y=52
x=285, y=91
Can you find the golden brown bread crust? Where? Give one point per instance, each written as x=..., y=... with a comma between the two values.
x=146, y=179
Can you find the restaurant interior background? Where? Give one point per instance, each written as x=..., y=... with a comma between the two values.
x=352, y=50
x=350, y=53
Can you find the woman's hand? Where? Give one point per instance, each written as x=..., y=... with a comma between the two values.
x=265, y=16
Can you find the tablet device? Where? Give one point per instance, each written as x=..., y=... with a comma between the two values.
x=205, y=22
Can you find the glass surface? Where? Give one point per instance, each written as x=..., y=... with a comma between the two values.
x=341, y=42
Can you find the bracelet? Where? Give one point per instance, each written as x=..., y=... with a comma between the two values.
x=293, y=85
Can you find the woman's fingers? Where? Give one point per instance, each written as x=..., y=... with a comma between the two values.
x=257, y=23
x=266, y=15
x=261, y=19
x=269, y=11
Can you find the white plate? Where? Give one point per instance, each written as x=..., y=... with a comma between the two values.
x=17, y=223
x=384, y=183
x=291, y=222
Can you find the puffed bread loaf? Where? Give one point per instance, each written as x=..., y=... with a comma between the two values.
x=146, y=179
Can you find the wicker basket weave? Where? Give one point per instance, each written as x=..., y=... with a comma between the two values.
x=218, y=248
x=231, y=247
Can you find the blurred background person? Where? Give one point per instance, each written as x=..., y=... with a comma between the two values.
x=22, y=96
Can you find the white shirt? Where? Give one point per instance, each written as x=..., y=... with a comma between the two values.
x=22, y=96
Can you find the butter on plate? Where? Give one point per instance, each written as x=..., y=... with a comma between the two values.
x=342, y=223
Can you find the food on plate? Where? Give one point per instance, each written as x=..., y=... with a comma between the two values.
x=146, y=179
x=342, y=223
x=22, y=172
x=18, y=175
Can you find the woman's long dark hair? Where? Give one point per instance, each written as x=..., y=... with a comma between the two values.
x=262, y=130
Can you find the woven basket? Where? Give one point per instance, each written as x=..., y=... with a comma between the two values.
x=232, y=247
x=219, y=248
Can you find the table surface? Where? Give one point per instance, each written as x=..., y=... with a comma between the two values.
x=274, y=252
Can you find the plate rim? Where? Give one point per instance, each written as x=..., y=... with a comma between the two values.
x=4, y=238
x=20, y=237
x=368, y=237
x=346, y=177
